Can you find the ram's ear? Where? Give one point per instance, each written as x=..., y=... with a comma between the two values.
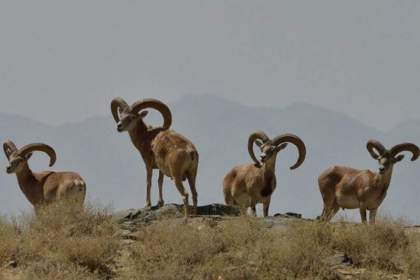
x=259, y=142
x=399, y=158
x=281, y=147
x=143, y=114
x=28, y=156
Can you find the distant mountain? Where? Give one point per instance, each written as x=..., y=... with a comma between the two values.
x=219, y=128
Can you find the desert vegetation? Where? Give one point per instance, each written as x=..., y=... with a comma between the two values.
x=244, y=249
x=67, y=243
x=61, y=242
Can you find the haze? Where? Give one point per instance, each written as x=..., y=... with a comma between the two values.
x=63, y=61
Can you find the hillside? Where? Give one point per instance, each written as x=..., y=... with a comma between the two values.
x=115, y=173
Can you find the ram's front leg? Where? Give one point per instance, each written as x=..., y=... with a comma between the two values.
x=266, y=206
x=148, y=187
x=160, y=185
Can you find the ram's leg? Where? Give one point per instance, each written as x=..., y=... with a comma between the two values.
x=330, y=209
x=191, y=182
x=37, y=210
x=372, y=216
x=333, y=212
x=148, y=187
x=228, y=197
x=254, y=210
x=184, y=194
x=324, y=214
x=266, y=206
x=161, y=202
x=243, y=210
x=363, y=215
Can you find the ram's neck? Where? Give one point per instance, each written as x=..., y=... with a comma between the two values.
x=270, y=165
x=383, y=180
x=139, y=136
x=29, y=185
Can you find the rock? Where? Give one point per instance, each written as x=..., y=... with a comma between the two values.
x=132, y=218
x=11, y=264
x=123, y=214
x=289, y=215
x=218, y=209
x=339, y=259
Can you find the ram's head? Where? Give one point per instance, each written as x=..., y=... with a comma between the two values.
x=18, y=157
x=270, y=147
x=387, y=158
x=127, y=117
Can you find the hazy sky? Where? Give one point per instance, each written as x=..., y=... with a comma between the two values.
x=63, y=61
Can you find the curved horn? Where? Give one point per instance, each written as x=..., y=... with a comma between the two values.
x=373, y=145
x=39, y=147
x=9, y=147
x=157, y=105
x=291, y=138
x=115, y=104
x=252, y=138
x=406, y=147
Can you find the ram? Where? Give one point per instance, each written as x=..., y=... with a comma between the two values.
x=47, y=186
x=348, y=188
x=249, y=184
x=161, y=148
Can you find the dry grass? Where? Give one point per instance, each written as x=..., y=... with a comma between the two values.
x=238, y=249
x=243, y=249
x=61, y=242
x=66, y=243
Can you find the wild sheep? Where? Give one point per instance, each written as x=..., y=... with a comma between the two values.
x=348, y=188
x=42, y=187
x=174, y=155
x=247, y=185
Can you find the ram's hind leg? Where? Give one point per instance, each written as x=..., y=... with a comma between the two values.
x=327, y=182
x=330, y=209
x=228, y=197
x=333, y=212
x=372, y=216
x=72, y=192
x=184, y=194
x=191, y=182
x=325, y=212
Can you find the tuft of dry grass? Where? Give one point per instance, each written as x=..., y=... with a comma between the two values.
x=62, y=241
